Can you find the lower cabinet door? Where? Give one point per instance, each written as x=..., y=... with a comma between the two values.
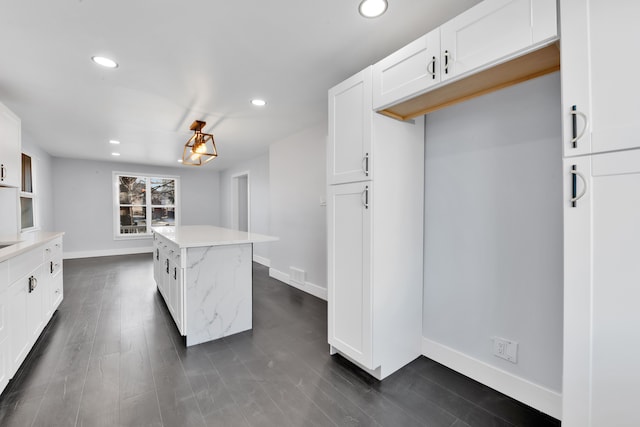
x=5, y=359
x=176, y=296
x=18, y=323
x=57, y=291
x=601, y=379
x=349, y=290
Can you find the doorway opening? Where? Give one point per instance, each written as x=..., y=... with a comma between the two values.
x=240, y=202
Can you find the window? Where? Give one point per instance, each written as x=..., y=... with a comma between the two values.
x=27, y=196
x=142, y=202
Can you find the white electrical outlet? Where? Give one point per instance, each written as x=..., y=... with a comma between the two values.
x=505, y=349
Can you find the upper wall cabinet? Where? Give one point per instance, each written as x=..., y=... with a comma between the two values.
x=9, y=148
x=493, y=45
x=492, y=30
x=350, y=114
x=599, y=69
x=407, y=71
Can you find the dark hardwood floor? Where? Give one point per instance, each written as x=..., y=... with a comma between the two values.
x=111, y=356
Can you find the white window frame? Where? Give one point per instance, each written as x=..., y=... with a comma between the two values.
x=29, y=195
x=149, y=208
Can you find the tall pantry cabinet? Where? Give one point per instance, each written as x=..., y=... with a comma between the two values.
x=375, y=231
x=601, y=375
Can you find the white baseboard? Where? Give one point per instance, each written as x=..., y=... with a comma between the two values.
x=262, y=260
x=106, y=252
x=534, y=395
x=308, y=287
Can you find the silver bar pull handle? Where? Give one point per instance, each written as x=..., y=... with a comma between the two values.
x=3, y=172
x=365, y=197
x=365, y=164
x=33, y=283
x=574, y=125
x=446, y=61
x=432, y=71
x=574, y=186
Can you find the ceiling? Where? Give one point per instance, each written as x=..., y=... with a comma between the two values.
x=182, y=60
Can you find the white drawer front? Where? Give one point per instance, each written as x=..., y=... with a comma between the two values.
x=24, y=263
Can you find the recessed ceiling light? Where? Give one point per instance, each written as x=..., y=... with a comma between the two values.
x=259, y=102
x=115, y=154
x=372, y=8
x=113, y=141
x=105, y=62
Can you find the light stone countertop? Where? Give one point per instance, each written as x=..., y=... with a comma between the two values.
x=24, y=242
x=193, y=236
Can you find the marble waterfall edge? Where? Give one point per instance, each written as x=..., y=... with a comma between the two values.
x=218, y=291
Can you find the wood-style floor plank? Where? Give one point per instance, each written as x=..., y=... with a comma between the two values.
x=111, y=356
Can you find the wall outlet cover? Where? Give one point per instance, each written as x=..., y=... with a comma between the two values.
x=505, y=349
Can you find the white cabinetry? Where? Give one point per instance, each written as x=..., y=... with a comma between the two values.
x=375, y=233
x=349, y=147
x=30, y=291
x=10, y=148
x=169, y=276
x=492, y=32
x=601, y=379
x=350, y=293
x=599, y=74
x=407, y=71
x=53, y=292
x=5, y=355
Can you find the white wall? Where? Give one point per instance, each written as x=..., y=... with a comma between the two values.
x=9, y=197
x=83, y=203
x=493, y=229
x=258, y=169
x=297, y=176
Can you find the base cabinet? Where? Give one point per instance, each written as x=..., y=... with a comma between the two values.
x=168, y=273
x=34, y=292
x=601, y=379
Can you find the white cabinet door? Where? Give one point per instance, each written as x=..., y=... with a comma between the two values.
x=601, y=380
x=407, y=71
x=18, y=323
x=599, y=74
x=492, y=30
x=4, y=340
x=57, y=286
x=10, y=148
x=176, y=295
x=350, y=113
x=349, y=290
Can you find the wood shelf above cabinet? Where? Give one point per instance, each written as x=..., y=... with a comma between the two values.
x=517, y=70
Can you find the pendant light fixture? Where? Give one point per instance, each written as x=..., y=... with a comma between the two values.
x=200, y=148
x=372, y=8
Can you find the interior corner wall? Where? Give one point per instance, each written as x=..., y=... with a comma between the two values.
x=297, y=177
x=258, y=169
x=43, y=183
x=493, y=228
x=83, y=203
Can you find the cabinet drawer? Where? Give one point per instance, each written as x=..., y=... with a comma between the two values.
x=22, y=264
x=53, y=249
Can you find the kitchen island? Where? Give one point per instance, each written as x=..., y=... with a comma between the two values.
x=204, y=274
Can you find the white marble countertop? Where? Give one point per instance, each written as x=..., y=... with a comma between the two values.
x=193, y=236
x=22, y=243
